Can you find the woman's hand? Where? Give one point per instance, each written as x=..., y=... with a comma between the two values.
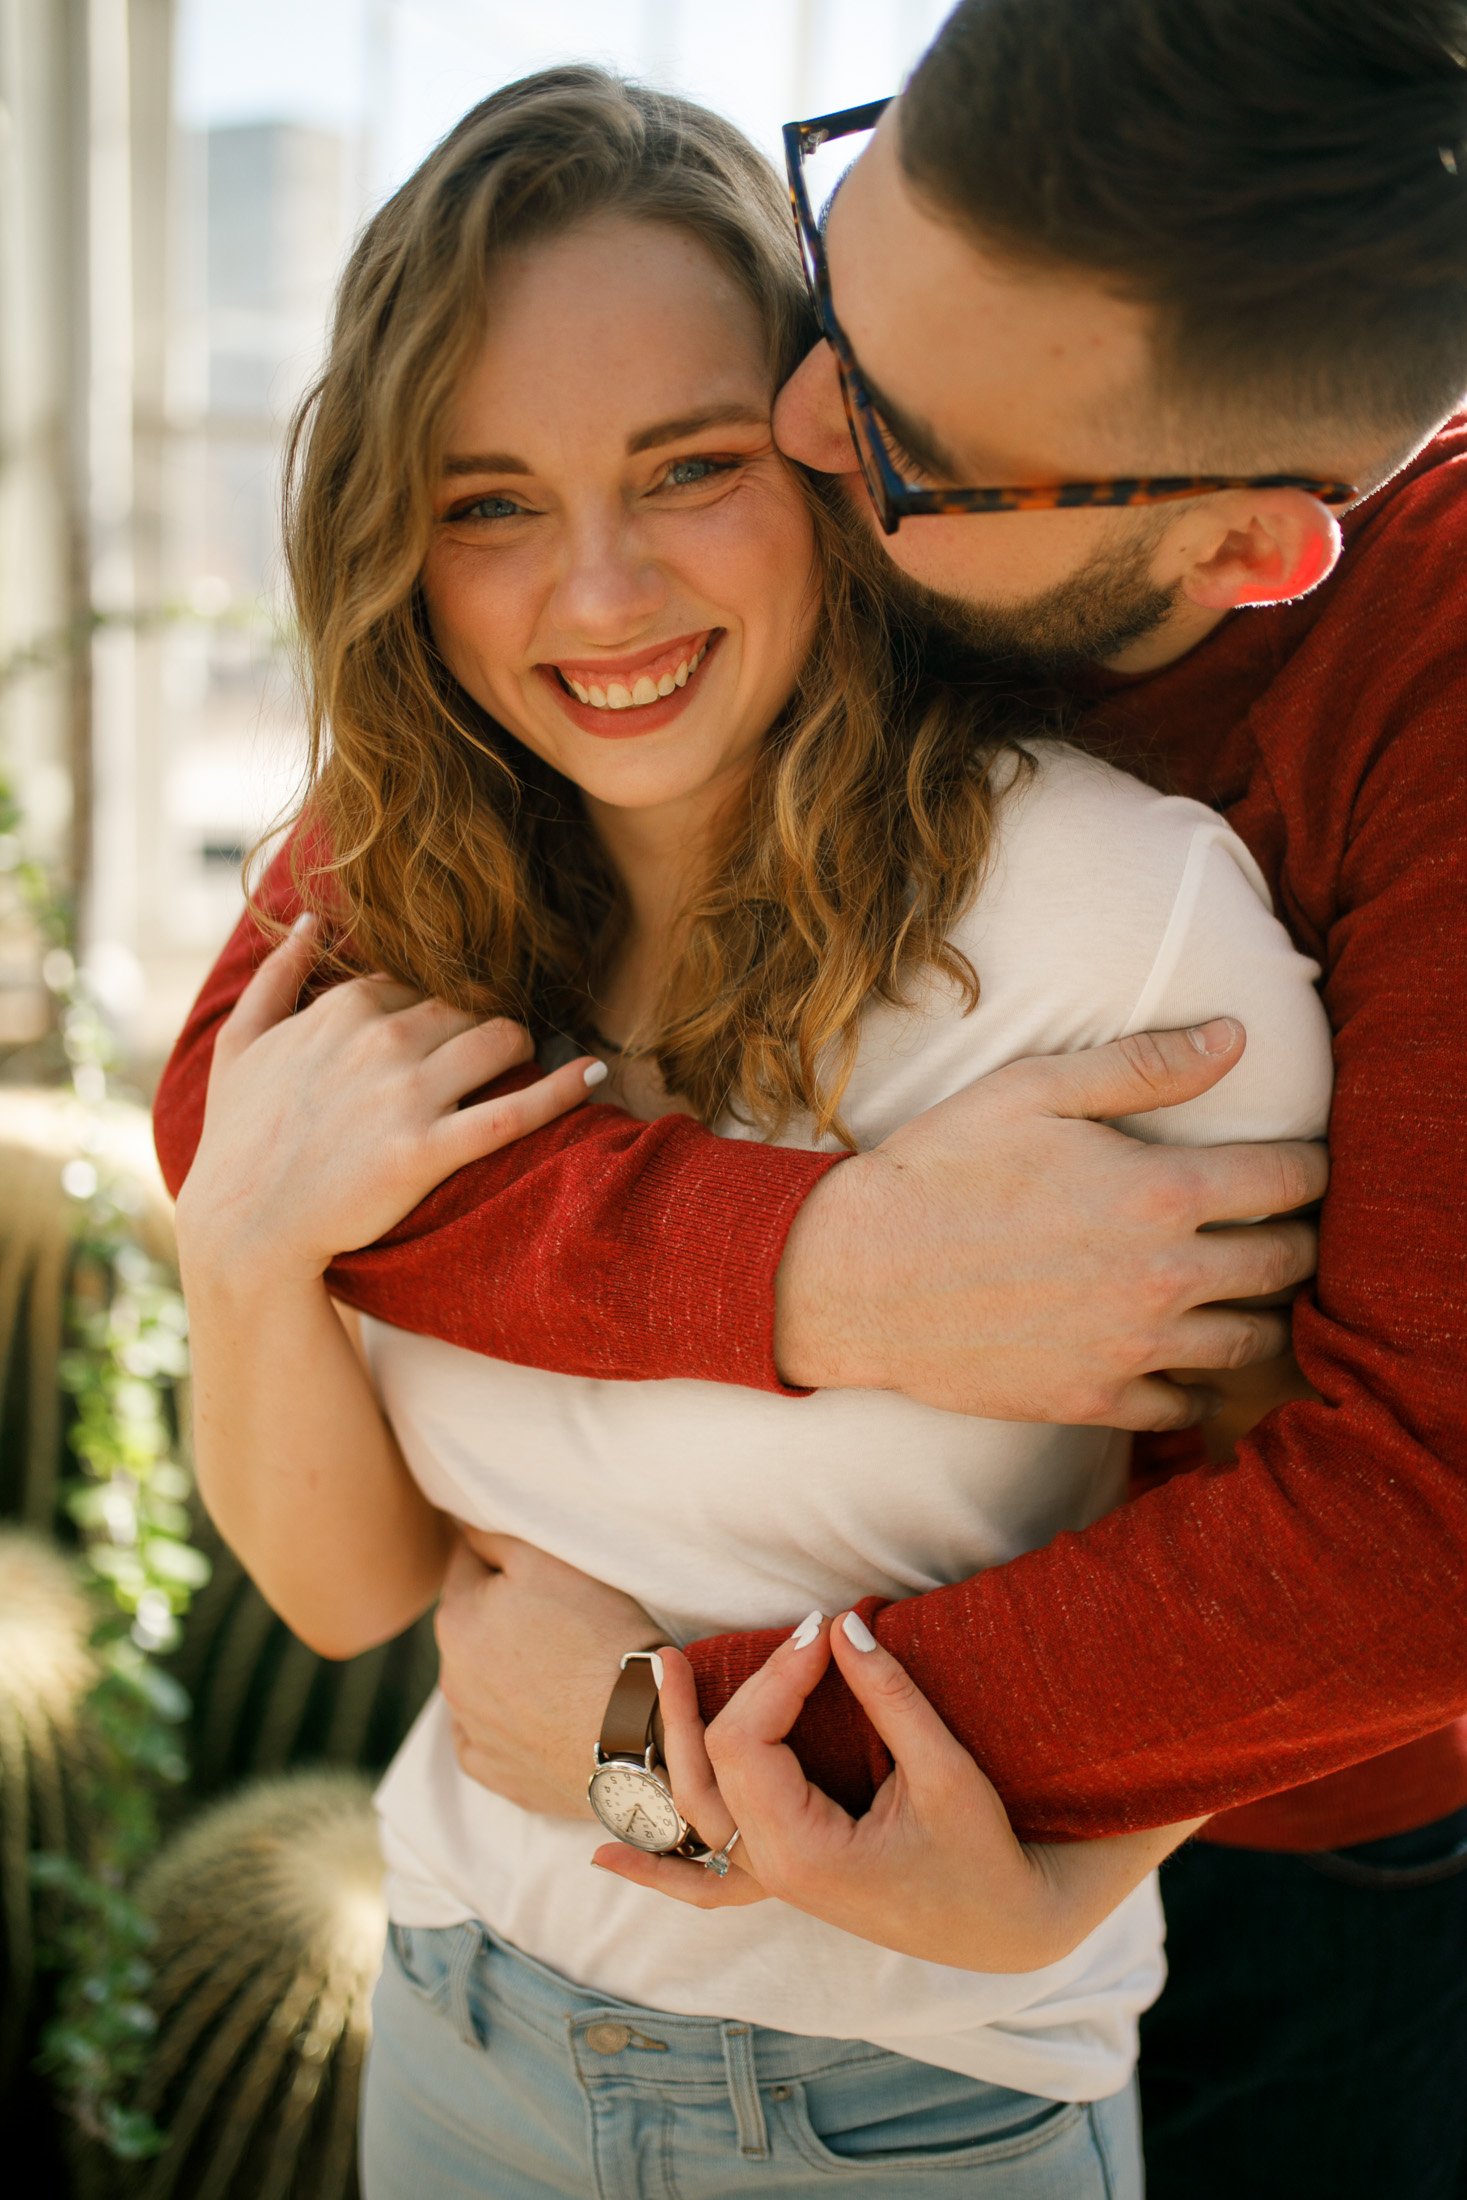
x=325, y=1126
x=933, y=1869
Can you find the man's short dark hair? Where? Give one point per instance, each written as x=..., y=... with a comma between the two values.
x=1284, y=181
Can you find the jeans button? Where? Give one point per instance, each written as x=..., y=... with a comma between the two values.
x=607, y=2039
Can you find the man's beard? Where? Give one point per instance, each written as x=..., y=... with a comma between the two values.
x=1086, y=620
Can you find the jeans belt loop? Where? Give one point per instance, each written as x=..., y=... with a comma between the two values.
x=743, y=2090
x=461, y=1963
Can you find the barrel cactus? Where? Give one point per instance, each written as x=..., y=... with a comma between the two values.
x=46, y=1670
x=271, y=1924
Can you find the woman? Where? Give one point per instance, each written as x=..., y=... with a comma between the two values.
x=628, y=740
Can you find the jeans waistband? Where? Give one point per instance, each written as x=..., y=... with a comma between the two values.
x=698, y=2049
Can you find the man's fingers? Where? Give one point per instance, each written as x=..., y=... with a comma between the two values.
x=690, y=1883
x=1240, y=1183
x=685, y=1750
x=1231, y=1337
x=463, y=1579
x=469, y=1133
x=273, y=991
x=489, y=1546
x=1156, y=1405
x=1265, y=1261
x=1154, y=1069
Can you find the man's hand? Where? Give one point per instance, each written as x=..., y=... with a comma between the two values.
x=1010, y=1254
x=529, y=1651
x=933, y=1869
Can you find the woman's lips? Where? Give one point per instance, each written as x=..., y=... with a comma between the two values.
x=658, y=667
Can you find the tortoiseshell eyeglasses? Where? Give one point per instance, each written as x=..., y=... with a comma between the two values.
x=814, y=176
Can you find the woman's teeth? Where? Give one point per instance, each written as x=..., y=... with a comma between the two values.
x=616, y=696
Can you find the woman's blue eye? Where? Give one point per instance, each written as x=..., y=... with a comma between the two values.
x=692, y=473
x=490, y=508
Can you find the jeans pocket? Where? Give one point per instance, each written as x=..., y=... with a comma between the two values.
x=424, y=1954
x=439, y=1963
x=912, y=2117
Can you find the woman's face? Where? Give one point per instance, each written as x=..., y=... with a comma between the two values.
x=623, y=567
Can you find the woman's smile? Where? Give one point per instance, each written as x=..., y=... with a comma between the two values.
x=617, y=698
x=620, y=551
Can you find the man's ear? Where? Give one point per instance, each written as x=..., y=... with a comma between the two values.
x=1268, y=546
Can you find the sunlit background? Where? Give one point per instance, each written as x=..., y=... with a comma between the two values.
x=179, y=180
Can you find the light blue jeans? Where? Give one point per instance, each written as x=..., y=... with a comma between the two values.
x=490, y=2077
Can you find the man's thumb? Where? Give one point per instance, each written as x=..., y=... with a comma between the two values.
x=488, y=1545
x=1151, y=1069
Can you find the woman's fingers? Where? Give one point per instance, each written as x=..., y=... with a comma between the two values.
x=273, y=991
x=686, y=1752
x=690, y=1883
x=761, y=1781
x=922, y=1747
x=469, y=1133
x=473, y=1055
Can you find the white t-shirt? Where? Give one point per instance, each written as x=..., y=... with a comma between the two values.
x=1107, y=909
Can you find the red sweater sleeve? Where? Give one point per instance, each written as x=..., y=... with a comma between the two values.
x=599, y=1246
x=1240, y=1630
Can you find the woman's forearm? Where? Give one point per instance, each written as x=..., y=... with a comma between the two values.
x=1089, y=1879
x=296, y=1465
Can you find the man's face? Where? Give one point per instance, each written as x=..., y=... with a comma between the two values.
x=990, y=374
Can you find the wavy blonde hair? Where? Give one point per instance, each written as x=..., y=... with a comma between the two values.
x=464, y=865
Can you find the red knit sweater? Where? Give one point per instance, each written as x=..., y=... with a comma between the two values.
x=1294, y=1617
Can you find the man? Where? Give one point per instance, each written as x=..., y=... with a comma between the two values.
x=1163, y=238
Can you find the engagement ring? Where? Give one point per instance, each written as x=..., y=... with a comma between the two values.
x=717, y=1859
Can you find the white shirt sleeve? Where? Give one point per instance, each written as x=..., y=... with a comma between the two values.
x=1224, y=953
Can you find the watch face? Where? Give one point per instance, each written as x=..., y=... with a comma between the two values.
x=634, y=1805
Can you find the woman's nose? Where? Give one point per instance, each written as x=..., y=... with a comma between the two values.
x=609, y=585
x=810, y=416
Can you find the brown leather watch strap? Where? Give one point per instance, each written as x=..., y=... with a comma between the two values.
x=633, y=1716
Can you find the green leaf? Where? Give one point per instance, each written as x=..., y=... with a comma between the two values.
x=130, y=2134
x=174, y=1561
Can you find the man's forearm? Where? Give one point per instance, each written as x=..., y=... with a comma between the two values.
x=1225, y=1638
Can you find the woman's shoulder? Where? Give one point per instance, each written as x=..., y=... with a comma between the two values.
x=1090, y=871
x=1108, y=907
x=1076, y=829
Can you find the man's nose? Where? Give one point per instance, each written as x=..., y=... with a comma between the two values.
x=810, y=416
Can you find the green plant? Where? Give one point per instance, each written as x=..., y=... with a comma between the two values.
x=126, y=1355
x=271, y=1918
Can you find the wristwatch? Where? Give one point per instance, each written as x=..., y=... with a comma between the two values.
x=628, y=1788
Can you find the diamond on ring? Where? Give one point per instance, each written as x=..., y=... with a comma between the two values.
x=716, y=1860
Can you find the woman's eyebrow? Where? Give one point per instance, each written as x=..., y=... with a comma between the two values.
x=736, y=413
x=484, y=462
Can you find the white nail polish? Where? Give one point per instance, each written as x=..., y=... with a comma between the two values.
x=657, y=1669
x=597, y=1074
x=303, y=922
x=807, y=1630
x=857, y=1632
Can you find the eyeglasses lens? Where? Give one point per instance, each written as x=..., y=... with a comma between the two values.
x=823, y=169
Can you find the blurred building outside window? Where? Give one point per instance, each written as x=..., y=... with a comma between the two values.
x=179, y=183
